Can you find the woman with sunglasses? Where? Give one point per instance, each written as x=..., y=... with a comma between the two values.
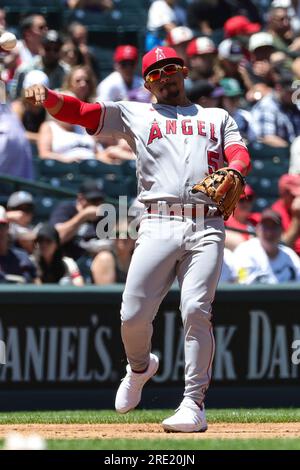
x=181, y=235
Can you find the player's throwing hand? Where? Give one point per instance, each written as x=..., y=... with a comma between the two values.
x=36, y=94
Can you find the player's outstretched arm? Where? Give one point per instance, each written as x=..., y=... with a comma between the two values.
x=64, y=107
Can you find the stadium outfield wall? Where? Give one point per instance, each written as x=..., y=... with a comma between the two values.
x=63, y=348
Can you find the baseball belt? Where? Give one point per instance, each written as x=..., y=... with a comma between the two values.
x=184, y=210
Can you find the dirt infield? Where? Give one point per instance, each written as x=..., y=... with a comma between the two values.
x=154, y=431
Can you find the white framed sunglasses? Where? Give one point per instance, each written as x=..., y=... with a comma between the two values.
x=169, y=69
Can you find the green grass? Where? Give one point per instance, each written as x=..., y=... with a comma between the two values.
x=164, y=444
x=149, y=416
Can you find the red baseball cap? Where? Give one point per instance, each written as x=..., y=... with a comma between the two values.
x=239, y=26
x=157, y=55
x=200, y=46
x=289, y=183
x=126, y=52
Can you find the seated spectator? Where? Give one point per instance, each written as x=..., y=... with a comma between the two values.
x=240, y=28
x=20, y=212
x=263, y=259
x=33, y=29
x=94, y=5
x=228, y=273
x=81, y=82
x=113, y=150
x=52, y=266
x=202, y=55
x=231, y=102
x=16, y=154
x=111, y=266
x=179, y=38
x=64, y=142
x=48, y=62
x=163, y=16
x=279, y=26
x=243, y=220
x=204, y=93
x=231, y=56
x=70, y=55
x=260, y=68
x=123, y=83
x=30, y=115
x=15, y=265
x=76, y=221
x=276, y=118
x=288, y=206
x=79, y=35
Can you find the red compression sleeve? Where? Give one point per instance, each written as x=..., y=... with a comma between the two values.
x=74, y=111
x=238, y=158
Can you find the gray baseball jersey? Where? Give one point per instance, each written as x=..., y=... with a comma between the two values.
x=176, y=146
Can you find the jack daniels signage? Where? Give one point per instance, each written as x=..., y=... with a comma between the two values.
x=76, y=344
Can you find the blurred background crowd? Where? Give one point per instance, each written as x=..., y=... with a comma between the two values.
x=243, y=56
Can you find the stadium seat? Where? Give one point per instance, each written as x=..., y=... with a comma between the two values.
x=115, y=188
x=48, y=168
x=95, y=168
x=44, y=206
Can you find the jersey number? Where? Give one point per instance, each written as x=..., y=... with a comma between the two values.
x=213, y=161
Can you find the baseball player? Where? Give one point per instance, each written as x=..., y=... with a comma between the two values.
x=176, y=144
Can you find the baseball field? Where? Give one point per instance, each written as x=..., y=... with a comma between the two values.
x=92, y=430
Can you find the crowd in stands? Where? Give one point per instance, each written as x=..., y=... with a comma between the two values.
x=242, y=56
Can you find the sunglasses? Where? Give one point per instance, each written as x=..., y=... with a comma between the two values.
x=169, y=69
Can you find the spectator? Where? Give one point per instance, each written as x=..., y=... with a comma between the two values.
x=276, y=117
x=204, y=93
x=179, y=38
x=33, y=29
x=20, y=212
x=79, y=35
x=202, y=54
x=261, y=47
x=163, y=15
x=52, y=266
x=231, y=102
x=228, y=273
x=123, y=83
x=15, y=264
x=241, y=28
x=15, y=155
x=263, y=259
x=288, y=206
x=64, y=142
x=242, y=219
x=48, y=62
x=31, y=116
x=111, y=266
x=114, y=151
x=204, y=16
x=94, y=5
x=279, y=26
x=82, y=82
x=230, y=57
x=76, y=221
x=70, y=55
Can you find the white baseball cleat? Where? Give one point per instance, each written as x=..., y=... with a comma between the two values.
x=187, y=418
x=130, y=390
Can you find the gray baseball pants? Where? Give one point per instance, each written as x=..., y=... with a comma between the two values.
x=165, y=249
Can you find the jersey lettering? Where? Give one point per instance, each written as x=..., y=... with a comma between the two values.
x=186, y=130
x=155, y=133
x=201, y=128
x=171, y=126
x=213, y=133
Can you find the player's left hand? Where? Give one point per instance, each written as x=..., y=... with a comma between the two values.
x=224, y=187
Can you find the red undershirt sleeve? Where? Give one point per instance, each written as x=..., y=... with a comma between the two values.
x=238, y=158
x=74, y=111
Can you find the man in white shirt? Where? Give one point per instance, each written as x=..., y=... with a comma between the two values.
x=264, y=259
x=123, y=84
